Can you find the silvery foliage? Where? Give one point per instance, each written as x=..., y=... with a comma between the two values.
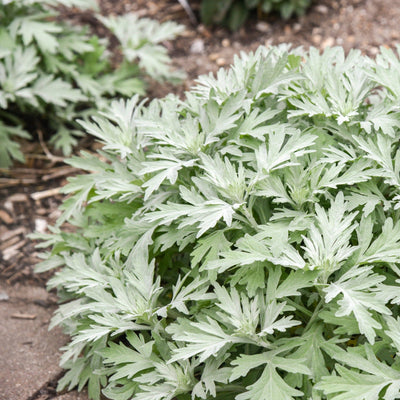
x=52, y=73
x=242, y=243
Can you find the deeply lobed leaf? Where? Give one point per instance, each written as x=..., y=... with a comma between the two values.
x=242, y=243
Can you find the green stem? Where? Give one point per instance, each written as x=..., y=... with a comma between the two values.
x=314, y=315
x=299, y=307
x=231, y=388
x=250, y=218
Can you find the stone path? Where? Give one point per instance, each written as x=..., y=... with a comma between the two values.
x=29, y=353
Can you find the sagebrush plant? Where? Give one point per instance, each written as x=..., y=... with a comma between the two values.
x=233, y=13
x=52, y=73
x=243, y=243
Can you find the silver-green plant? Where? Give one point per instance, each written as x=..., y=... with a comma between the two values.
x=52, y=73
x=243, y=243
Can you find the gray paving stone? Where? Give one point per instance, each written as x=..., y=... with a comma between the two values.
x=29, y=353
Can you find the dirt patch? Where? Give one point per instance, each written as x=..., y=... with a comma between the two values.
x=29, y=202
x=361, y=24
x=29, y=195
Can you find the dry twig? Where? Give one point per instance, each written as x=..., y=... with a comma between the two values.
x=24, y=316
x=8, y=182
x=189, y=11
x=45, y=193
x=46, y=150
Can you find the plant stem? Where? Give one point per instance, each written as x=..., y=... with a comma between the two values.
x=299, y=307
x=250, y=218
x=314, y=315
x=231, y=388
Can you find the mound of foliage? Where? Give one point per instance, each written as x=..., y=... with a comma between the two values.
x=243, y=243
x=52, y=73
x=233, y=13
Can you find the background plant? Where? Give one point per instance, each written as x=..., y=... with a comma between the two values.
x=233, y=13
x=243, y=243
x=52, y=73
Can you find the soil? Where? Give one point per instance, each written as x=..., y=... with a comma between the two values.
x=29, y=194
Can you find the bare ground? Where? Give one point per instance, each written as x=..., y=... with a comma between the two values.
x=29, y=197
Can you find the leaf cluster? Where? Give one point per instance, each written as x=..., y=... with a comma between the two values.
x=233, y=13
x=243, y=243
x=52, y=73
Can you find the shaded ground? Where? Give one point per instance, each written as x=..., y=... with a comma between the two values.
x=29, y=195
x=26, y=347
